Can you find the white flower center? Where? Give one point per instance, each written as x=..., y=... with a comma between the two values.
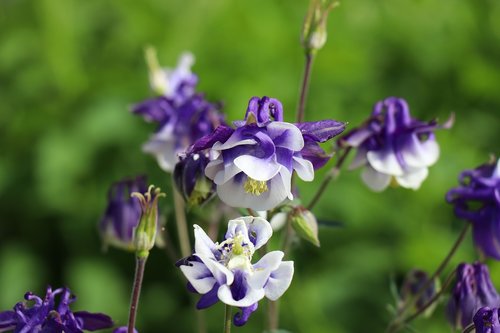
x=237, y=254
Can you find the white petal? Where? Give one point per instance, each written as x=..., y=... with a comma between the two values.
x=252, y=296
x=220, y=272
x=420, y=154
x=235, y=226
x=213, y=167
x=286, y=178
x=199, y=276
x=496, y=172
x=304, y=168
x=359, y=159
x=259, y=228
x=385, y=161
x=286, y=135
x=278, y=221
x=203, y=245
x=375, y=180
x=263, y=268
x=233, y=141
x=413, y=179
x=279, y=281
x=226, y=173
x=164, y=151
x=257, y=168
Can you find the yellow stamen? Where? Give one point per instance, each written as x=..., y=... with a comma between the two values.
x=255, y=187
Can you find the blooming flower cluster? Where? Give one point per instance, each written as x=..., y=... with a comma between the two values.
x=37, y=315
x=252, y=165
x=224, y=271
x=393, y=146
x=182, y=115
x=473, y=290
x=478, y=201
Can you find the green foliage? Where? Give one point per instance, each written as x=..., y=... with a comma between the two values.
x=70, y=70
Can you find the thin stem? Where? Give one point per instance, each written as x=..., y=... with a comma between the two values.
x=180, y=219
x=469, y=328
x=273, y=315
x=252, y=212
x=304, y=87
x=227, y=319
x=331, y=175
x=396, y=323
x=140, y=264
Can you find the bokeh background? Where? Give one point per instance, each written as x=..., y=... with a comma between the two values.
x=69, y=71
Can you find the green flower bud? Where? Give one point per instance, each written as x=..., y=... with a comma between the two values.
x=314, y=29
x=305, y=224
x=145, y=233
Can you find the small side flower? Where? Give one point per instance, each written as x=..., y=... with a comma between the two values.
x=486, y=320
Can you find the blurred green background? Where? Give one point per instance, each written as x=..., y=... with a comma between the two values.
x=69, y=70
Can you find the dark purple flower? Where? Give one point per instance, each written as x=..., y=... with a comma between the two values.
x=473, y=290
x=37, y=315
x=190, y=179
x=252, y=165
x=478, y=201
x=414, y=281
x=486, y=320
x=392, y=145
x=123, y=213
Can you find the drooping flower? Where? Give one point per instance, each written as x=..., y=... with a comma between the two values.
x=190, y=179
x=473, y=290
x=123, y=213
x=37, y=315
x=224, y=271
x=486, y=320
x=414, y=281
x=393, y=146
x=182, y=115
x=477, y=200
x=252, y=165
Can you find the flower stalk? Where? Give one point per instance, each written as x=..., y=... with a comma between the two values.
x=227, y=319
x=305, y=87
x=181, y=223
x=140, y=265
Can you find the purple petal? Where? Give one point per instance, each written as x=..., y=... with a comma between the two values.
x=242, y=317
x=123, y=329
x=154, y=110
x=314, y=154
x=321, y=131
x=221, y=134
x=93, y=321
x=209, y=298
x=7, y=321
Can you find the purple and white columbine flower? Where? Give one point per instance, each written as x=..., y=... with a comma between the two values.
x=224, y=271
x=252, y=165
x=123, y=213
x=478, y=201
x=182, y=116
x=392, y=145
x=473, y=290
x=486, y=320
x=37, y=315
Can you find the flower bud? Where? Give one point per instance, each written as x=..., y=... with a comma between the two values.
x=190, y=179
x=473, y=290
x=145, y=233
x=314, y=29
x=305, y=224
x=414, y=281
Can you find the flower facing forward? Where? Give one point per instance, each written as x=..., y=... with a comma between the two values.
x=37, y=315
x=486, y=320
x=473, y=290
x=393, y=146
x=478, y=201
x=224, y=271
x=123, y=213
x=182, y=116
x=252, y=165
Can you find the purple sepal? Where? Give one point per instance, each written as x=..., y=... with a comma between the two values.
x=486, y=320
x=262, y=111
x=93, y=321
x=321, y=131
x=221, y=134
x=241, y=317
x=314, y=154
x=123, y=329
x=7, y=321
x=208, y=299
x=157, y=109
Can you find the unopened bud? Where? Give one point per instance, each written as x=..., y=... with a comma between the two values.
x=314, y=30
x=190, y=179
x=305, y=224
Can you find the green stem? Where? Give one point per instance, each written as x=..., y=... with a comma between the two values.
x=140, y=264
x=304, y=87
x=181, y=222
x=331, y=175
x=273, y=315
x=395, y=325
x=227, y=320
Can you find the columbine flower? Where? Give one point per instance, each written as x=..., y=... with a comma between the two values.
x=486, y=320
x=37, y=315
x=473, y=290
x=182, y=116
x=393, y=146
x=225, y=271
x=123, y=213
x=190, y=179
x=252, y=165
x=478, y=201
